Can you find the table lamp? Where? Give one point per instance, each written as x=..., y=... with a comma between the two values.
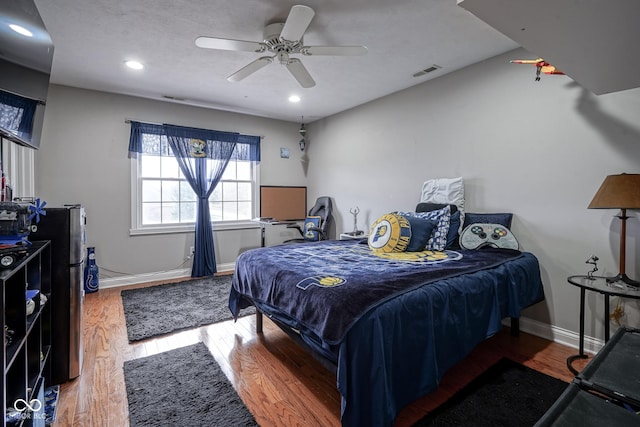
x=619, y=192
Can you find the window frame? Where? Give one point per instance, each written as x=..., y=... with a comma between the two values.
x=137, y=228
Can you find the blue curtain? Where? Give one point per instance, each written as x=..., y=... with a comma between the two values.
x=202, y=155
x=16, y=113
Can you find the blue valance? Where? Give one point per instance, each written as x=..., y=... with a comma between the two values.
x=204, y=141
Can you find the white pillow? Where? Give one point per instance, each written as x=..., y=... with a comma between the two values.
x=448, y=191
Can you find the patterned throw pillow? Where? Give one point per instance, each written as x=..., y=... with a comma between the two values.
x=438, y=239
x=390, y=233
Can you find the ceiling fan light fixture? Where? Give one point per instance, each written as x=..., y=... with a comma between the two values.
x=283, y=57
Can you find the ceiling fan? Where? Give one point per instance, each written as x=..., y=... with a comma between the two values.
x=282, y=40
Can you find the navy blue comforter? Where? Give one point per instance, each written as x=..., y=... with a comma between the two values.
x=408, y=317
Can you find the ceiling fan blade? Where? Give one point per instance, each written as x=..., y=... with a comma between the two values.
x=250, y=68
x=297, y=23
x=300, y=73
x=229, y=44
x=334, y=50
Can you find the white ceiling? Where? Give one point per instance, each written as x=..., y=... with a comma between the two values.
x=594, y=42
x=93, y=38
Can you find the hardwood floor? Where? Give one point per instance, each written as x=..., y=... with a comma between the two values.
x=279, y=382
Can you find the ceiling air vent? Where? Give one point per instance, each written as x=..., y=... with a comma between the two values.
x=427, y=70
x=173, y=98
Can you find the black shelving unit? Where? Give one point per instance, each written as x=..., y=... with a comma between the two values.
x=25, y=360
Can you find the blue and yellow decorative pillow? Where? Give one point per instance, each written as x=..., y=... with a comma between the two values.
x=390, y=233
x=310, y=223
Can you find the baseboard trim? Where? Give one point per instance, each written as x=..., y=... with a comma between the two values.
x=559, y=335
x=116, y=282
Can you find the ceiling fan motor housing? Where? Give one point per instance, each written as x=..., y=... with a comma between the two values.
x=271, y=33
x=271, y=38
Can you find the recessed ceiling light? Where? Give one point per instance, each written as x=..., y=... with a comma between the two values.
x=294, y=98
x=21, y=30
x=134, y=65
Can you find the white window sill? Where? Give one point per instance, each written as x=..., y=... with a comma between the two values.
x=190, y=228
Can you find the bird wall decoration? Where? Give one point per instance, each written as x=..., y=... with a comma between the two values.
x=542, y=66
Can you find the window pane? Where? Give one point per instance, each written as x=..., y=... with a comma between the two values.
x=149, y=166
x=170, y=191
x=186, y=193
x=187, y=212
x=229, y=191
x=244, y=170
x=215, y=209
x=151, y=213
x=170, y=213
x=244, y=210
x=151, y=191
x=244, y=191
x=170, y=168
x=230, y=171
x=229, y=211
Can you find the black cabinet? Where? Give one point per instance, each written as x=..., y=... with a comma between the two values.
x=26, y=321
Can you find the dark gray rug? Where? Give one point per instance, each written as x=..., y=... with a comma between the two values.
x=161, y=309
x=182, y=387
x=507, y=394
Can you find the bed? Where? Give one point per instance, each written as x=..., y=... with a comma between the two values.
x=391, y=325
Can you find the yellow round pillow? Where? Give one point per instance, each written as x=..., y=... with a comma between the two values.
x=390, y=233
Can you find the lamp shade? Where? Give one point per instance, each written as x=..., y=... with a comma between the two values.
x=618, y=192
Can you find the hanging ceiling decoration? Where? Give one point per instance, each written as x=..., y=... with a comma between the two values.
x=303, y=134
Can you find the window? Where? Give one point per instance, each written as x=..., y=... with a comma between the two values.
x=163, y=200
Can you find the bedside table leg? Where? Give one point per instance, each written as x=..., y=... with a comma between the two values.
x=606, y=318
x=582, y=295
x=580, y=354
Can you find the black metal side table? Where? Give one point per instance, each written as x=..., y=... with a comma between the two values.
x=601, y=285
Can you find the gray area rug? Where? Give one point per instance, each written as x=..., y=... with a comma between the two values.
x=161, y=309
x=182, y=387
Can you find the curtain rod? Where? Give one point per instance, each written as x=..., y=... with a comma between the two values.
x=141, y=121
x=160, y=124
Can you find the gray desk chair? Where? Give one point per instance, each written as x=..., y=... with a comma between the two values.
x=315, y=229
